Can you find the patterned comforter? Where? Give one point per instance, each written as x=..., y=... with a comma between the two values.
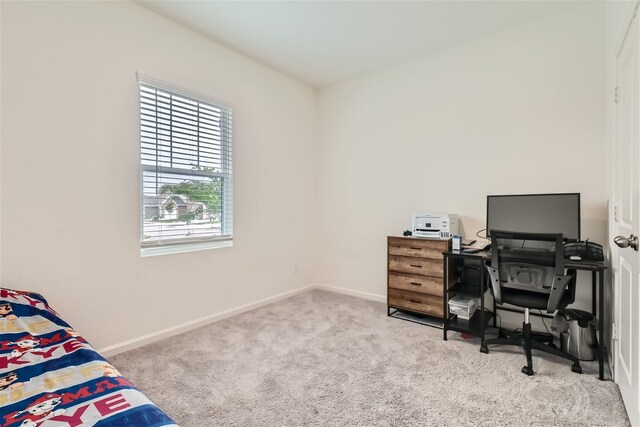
x=51, y=377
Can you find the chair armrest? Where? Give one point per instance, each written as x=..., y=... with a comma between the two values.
x=494, y=278
x=558, y=289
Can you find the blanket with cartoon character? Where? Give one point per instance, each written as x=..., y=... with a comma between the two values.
x=51, y=377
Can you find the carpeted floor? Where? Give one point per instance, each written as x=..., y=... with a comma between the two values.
x=327, y=359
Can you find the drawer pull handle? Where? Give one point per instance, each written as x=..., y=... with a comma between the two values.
x=416, y=265
x=416, y=249
x=415, y=283
x=415, y=301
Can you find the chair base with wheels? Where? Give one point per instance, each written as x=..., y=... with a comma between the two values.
x=505, y=335
x=529, y=342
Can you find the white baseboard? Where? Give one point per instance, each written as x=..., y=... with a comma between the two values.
x=346, y=291
x=188, y=326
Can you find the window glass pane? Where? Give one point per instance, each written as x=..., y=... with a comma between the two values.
x=178, y=206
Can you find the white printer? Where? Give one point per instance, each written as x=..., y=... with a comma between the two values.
x=435, y=225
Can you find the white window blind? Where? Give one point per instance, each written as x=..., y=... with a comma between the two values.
x=186, y=161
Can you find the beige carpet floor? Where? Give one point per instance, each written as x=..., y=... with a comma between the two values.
x=327, y=359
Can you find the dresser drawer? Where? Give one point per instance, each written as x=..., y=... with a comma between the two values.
x=418, y=248
x=416, y=301
x=415, y=283
x=421, y=266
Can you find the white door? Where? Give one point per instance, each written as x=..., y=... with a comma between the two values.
x=627, y=291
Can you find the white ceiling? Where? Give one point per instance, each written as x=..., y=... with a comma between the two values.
x=323, y=42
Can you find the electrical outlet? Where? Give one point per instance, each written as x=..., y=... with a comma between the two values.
x=295, y=267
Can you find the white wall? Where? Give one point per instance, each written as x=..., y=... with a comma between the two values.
x=521, y=111
x=70, y=174
x=0, y=144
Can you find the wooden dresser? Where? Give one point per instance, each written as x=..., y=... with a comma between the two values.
x=415, y=279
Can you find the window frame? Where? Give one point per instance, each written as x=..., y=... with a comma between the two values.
x=226, y=144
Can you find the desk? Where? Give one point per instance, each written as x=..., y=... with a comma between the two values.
x=476, y=326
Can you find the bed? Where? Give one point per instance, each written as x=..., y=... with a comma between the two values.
x=51, y=377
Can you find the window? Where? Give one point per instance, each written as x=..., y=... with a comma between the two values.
x=186, y=170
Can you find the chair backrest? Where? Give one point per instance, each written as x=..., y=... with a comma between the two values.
x=530, y=262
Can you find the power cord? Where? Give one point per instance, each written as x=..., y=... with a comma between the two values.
x=543, y=322
x=485, y=234
x=497, y=333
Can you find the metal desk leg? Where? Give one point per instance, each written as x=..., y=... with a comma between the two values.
x=483, y=347
x=495, y=313
x=593, y=293
x=482, y=313
x=445, y=292
x=495, y=306
x=601, y=351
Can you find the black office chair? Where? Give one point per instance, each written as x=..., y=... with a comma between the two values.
x=527, y=270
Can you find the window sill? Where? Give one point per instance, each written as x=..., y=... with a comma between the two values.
x=189, y=247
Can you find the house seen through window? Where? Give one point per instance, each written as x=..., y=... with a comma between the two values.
x=186, y=170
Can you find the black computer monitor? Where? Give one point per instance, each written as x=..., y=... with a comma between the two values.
x=535, y=213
